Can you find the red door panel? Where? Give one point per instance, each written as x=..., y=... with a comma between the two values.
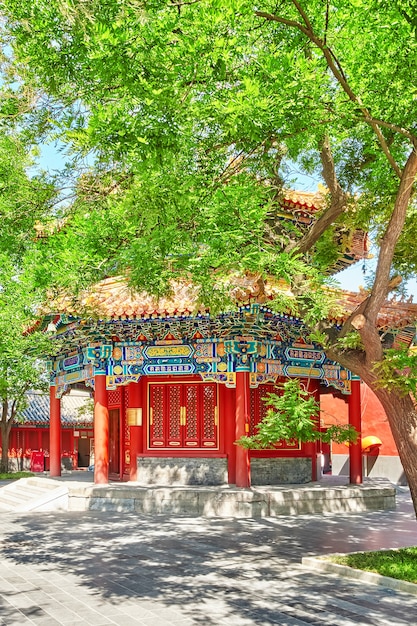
x=157, y=411
x=210, y=416
x=183, y=416
x=258, y=406
x=173, y=415
x=191, y=416
x=114, y=441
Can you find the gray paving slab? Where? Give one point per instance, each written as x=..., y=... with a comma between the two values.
x=95, y=569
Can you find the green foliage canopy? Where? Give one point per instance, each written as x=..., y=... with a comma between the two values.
x=24, y=200
x=192, y=114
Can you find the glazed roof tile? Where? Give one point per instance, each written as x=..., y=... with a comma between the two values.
x=305, y=199
x=37, y=411
x=113, y=299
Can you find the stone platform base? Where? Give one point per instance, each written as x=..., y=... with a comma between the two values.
x=208, y=472
x=229, y=501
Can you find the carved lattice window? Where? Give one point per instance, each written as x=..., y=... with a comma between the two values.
x=192, y=412
x=209, y=411
x=174, y=404
x=183, y=415
x=115, y=397
x=158, y=412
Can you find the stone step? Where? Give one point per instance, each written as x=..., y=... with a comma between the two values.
x=41, y=483
x=26, y=491
x=13, y=498
x=34, y=494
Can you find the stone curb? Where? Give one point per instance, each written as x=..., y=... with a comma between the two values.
x=221, y=500
x=322, y=564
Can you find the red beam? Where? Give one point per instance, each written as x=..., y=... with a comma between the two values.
x=242, y=413
x=136, y=431
x=227, y=407
x=312, y=449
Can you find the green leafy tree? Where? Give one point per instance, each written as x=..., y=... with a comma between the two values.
x=23, y=201
x=292, y=415
x=192, y=115
x=21, y=368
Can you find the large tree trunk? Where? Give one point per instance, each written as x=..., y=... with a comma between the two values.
x=402, y=418
x=6, y=422
x=5, y=428
x=399, y=408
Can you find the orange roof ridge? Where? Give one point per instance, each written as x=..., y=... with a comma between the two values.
x=310, y=199
x=112, y=298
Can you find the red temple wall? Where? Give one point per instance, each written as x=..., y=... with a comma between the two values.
x=25, y=439
x=334, y=410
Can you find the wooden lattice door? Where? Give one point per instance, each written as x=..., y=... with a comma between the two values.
x=183, y=415
x=114, y=441
x=258, y=405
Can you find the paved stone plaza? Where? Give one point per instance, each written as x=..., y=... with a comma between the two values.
x=94, y=568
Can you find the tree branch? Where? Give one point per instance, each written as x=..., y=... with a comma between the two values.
x=335, y=67
x=395, y=226
x=183, y=4
x=364, y=318
x=398, y=129
x=5, y=410
x=338, y=200
x=303, y=15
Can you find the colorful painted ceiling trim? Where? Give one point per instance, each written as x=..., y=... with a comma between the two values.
x=132, y=336
x=268, y=346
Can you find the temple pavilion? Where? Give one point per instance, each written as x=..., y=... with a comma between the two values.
x=174, y=386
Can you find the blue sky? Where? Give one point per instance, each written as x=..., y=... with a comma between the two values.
x=353, y=277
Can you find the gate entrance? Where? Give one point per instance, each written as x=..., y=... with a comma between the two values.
x=83, y=452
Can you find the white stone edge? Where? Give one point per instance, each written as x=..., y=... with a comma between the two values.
x=323, y=564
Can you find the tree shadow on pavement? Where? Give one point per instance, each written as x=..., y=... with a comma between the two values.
x=241, y=571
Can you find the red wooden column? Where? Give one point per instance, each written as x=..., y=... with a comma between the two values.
x=101, y=431
x=227, y=404
x=242, y=419
x=313, y=387
x=54, y=433
x=355, y=449
x=135, y=412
